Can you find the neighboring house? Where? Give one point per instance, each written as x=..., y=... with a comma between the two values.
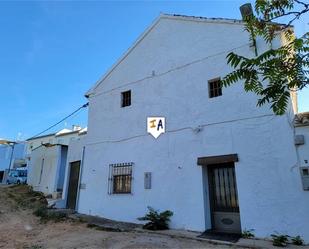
x=73, y=171
x=12, y=156
x=223, y=163
x=47, y=161
x=52, y=138
x=302, y=142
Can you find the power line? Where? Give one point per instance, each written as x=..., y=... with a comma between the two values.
x=52, y=126
x=170, y=70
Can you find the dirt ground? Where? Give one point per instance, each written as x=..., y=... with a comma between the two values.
x=19, y=228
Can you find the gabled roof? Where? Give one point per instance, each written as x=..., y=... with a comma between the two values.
x=154, y=23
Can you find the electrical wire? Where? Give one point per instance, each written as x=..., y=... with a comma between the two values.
x=52, y=126
x=168, y=71
x=140, y=80
x=184, y=128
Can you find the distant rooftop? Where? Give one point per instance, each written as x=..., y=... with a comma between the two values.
x=301, y=119
x=63, y=132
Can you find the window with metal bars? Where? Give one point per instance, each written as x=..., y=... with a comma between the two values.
x=120, y=178
x=214, y=88
x=126, y=98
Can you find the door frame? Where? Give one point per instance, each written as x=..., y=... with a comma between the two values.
x=217, y=161
x=78, y=183
x=211, y=187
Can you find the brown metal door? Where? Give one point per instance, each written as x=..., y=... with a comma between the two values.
x=224, y=199
x=73, y=185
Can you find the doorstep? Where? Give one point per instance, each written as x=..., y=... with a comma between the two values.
x=116, y=226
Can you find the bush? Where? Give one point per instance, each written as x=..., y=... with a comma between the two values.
x=247, y=234
x=41, y=212
x=280, y=240
x=297, y=241
x=157, y=221
x=49, y=214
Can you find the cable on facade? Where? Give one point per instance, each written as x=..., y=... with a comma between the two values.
x=170, y=70
x=52, y=126
x=185, y=128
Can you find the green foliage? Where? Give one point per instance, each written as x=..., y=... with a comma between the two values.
x=280, y=240
x=157, y=221
x=297, y=241
x=40, y=211
x=247, y=234
x=49, y=214
x=277, y=71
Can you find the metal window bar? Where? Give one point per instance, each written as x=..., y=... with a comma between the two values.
x=215, y=88
x=126, y=98
x=225, y=190
x=120, y=178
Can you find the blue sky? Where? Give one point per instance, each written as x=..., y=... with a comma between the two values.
x=51, y=53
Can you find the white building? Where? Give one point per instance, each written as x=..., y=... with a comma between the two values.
x=47, y=157
x=302, y=142
x=12, y=155
x=221, y=164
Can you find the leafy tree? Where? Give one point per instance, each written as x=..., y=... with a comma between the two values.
x=276, y=72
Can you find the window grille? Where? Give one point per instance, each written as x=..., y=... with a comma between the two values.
x=126, y=98
x=120, y=178
x=215, y=88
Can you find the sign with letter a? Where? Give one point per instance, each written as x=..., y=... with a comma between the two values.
x=155, y=126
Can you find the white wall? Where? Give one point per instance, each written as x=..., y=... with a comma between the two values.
x=303, y=150
x=37, y=142
x=75, y=153
x=270, y=193
x=47, y=181
x=6, y=153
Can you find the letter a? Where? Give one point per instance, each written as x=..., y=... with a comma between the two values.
x=160, y=125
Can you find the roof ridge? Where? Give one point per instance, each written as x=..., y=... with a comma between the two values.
x=204, y=18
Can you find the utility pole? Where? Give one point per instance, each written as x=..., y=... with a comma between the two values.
x=11, y=158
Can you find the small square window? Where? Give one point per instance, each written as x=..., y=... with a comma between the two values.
x=215, y=88
x=126, y=98
x=120, y=179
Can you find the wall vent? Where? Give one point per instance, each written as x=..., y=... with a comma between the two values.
x=299, y=139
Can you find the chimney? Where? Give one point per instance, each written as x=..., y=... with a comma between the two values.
x=246, y=11
x=76, y=127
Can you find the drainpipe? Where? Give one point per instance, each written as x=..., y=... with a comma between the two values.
x=11, y=158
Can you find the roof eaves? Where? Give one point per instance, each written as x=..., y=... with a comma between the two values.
x=47, y=135
x=203, y=19
x=67, y=133
x=153, y=24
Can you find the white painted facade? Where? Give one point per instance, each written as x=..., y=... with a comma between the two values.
x=47, y=168
x=12, y=155
x=63, y=136
x=167, y=71
x=303, y=149
x=75, y=153
x=302, y=132
x=47, y=158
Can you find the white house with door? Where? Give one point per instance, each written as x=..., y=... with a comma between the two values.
x=73, y=171
x=219, y=162
x=47, y=157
